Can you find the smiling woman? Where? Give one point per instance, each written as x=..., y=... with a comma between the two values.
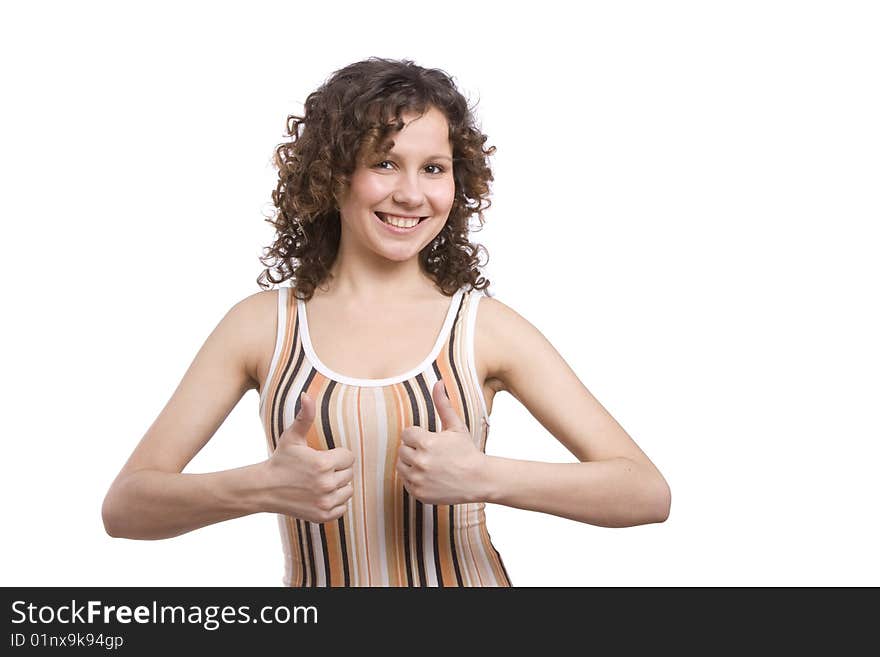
x=376, y=437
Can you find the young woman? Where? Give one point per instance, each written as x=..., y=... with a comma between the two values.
x=378, y=365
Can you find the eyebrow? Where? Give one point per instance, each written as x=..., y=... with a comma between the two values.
x=430, y=157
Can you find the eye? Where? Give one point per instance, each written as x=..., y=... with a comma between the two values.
x=439, y=168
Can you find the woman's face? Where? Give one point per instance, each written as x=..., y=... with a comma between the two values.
x=414, y=179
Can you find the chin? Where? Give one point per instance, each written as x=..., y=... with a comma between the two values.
x=399, y=254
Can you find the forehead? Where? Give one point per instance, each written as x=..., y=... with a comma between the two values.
x=428, y=133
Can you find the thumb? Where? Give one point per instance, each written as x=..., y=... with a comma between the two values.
x=297, y=431
x=448, y=415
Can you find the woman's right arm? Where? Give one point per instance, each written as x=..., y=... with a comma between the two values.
x=151, y=498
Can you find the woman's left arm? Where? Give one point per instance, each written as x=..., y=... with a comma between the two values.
x=614, y=484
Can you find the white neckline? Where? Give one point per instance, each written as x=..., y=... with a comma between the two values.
x=306, y=340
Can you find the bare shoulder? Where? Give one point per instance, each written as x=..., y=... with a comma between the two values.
x=256, y=321
x=503, y=333
x=497, y=325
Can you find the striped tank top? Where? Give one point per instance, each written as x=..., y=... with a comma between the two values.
x=386, y=537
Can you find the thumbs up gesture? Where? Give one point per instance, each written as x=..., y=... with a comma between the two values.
x=300, y=481
x=442, y=467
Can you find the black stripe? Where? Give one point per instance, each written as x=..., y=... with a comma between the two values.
x=420, y=540
x=307, y=526
x=406, y=540
x=409, y=573
x=323, y=533
x=298, y=538
x=302, y=549
x=452, y=544
x=457, y=378
x=297, y=405
x=289, y=376
x=328, y=432
x=432, y=426
x=455, y=375
x=276, y=427
x=437, y=567
x=506, y=576
x=420, y=507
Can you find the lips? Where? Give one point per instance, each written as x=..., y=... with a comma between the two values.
x=383, y=215
x=397, y=230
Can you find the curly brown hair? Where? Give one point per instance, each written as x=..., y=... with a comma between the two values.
x=353, y=113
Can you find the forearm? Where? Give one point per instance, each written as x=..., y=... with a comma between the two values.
x=150, y=504
x=613, y=493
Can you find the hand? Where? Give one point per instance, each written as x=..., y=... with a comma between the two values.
x=443, y=467
x=312, y=484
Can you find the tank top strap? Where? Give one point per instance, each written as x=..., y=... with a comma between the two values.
x=461, y=358
x=473, y=299
x=287, y=341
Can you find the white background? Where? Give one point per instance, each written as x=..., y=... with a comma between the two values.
x=685, y=203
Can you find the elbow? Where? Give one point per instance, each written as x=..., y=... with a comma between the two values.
x=107, y=517
x=662, y=501
x=655, y=498
x=110, y=514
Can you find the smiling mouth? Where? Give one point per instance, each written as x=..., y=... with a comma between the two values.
x=383, y=217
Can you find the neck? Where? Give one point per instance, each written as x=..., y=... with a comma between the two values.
x=378, y=280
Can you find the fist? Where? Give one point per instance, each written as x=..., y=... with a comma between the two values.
x=307, y=483
x=442, y=467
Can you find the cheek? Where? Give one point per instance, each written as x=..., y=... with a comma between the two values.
x=367, y=190
x=443, y=196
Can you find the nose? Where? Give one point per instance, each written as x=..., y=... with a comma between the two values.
x=407, y=191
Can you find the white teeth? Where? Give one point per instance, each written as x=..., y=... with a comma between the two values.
x=400, y=222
